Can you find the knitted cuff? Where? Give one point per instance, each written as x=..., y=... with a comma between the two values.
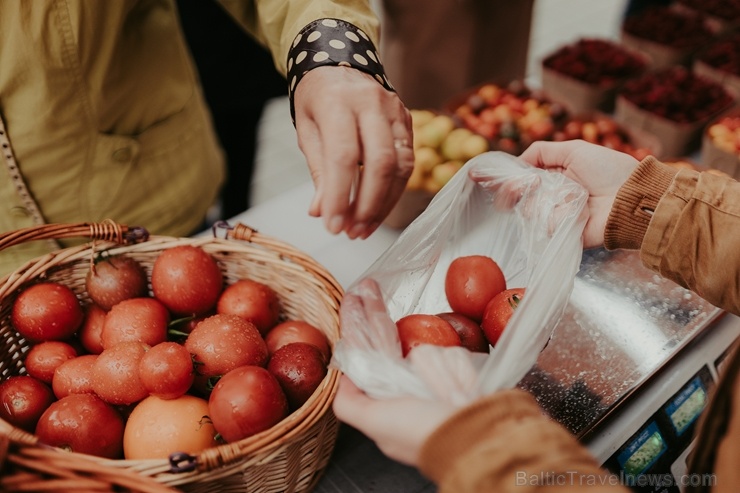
x=635, y=204
x=332, y=42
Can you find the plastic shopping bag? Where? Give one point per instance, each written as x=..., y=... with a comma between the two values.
x=530, y=221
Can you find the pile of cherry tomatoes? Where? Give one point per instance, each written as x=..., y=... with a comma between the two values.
x=173, y=362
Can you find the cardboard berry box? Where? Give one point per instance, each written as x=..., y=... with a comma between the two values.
x=667, y=35
x=586, y=75
x=720, y=62
x=674, y=104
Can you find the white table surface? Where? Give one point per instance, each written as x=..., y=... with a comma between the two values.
x=285, y=217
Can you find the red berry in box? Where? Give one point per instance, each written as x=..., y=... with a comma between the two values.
x=666, y=26
x=723, y=54
x=595, y=61
x=677, y=94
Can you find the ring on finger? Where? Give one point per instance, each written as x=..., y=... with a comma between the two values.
x=400, y=143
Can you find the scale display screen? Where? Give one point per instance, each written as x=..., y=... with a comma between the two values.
x=644, y=450
x=687, y=405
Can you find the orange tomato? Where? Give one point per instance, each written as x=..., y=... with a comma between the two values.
x=158, y=427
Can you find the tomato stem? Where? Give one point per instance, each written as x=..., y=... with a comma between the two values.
x=177, y=333
x=514, y=301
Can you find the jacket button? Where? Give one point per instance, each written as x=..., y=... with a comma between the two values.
x=19, y=211
x=122, y=155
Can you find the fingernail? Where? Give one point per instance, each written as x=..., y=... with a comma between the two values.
x=335, y=224
x=370, y=230
x=357, y=230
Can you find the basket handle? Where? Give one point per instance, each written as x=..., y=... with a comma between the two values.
x=243, y=232
x=107, y=230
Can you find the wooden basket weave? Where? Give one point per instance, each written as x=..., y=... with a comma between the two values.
x=289, y=457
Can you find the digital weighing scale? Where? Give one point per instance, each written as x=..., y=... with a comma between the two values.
x=629, y=368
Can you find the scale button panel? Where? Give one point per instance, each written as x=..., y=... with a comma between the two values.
x=654, y=458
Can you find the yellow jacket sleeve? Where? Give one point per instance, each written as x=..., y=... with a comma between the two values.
x=275, y=24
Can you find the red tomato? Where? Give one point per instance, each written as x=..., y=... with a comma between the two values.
x=498, y=312
x=74, y=376
x=471, y=282
x=90, y=333
x=471, y=335
x=114, y=279
x=419, y=328
x=223, y=342
x=136, y=319
x=47, y=311
x=23, y=399
x=166, y=370
x=82, y=423
x=253, y=301
x=187, y=280
x=115, y=374
x=246, y=401
x=158, y=427
x=297, y=331
x=299, y=368
x=43, y=358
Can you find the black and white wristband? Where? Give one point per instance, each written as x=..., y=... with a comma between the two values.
x=332, y=42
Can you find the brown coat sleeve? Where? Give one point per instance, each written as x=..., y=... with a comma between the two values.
x=687, y=226
x=504, y=443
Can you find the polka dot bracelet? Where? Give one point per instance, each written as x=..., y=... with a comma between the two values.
x=332, y=42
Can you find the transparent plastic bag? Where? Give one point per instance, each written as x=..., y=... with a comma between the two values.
x=530, y=221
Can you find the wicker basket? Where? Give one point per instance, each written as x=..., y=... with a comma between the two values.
x=289, y=457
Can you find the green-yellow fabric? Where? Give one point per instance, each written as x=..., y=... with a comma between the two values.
x=105, y=117
x=279, y=22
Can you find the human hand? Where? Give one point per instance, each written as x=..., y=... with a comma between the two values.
x=343, y=118
x=601, y=171
x=398, y=426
